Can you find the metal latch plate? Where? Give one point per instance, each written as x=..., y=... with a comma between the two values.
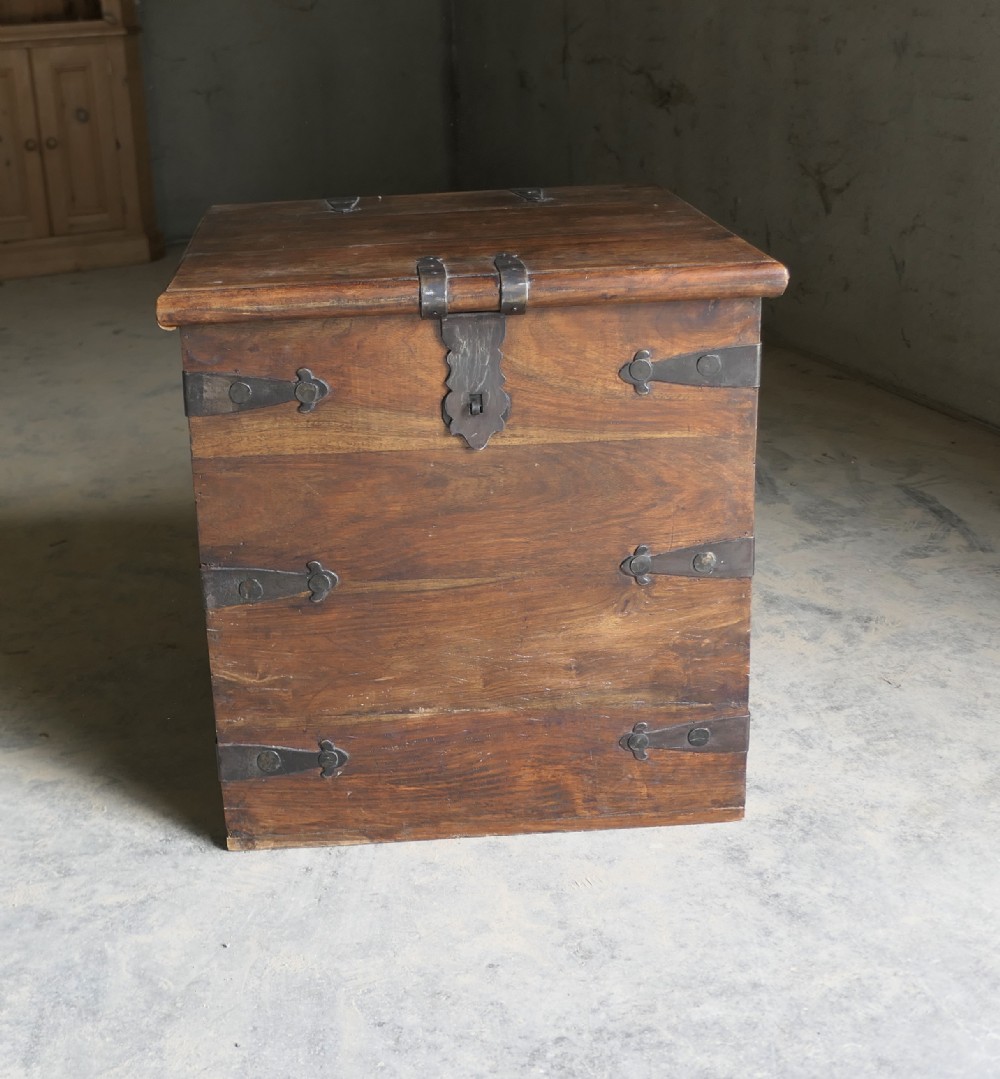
x=476, y=406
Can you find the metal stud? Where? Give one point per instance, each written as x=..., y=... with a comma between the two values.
x=705, y=562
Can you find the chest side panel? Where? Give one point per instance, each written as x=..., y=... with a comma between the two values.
x=482, y=631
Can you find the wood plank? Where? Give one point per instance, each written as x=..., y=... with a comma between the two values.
x=410, y=646
x=589, y=245
x=443, y=775
x=387, y=378
x=468, y=256
x=236, y=216
x=511, y=511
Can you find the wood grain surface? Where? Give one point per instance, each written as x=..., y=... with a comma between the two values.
x=487, y=642
x=439, y=775
x=511, y=511
x=596, y=245
x=387, y=380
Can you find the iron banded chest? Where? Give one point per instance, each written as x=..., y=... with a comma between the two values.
x=474, y=478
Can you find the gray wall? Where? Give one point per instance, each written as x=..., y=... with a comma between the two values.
x=856, y=141
x=251, y=100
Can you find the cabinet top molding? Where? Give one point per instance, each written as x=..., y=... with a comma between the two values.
x=118, y=17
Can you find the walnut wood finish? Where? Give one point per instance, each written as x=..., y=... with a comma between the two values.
x=387, y=379
x=301, y=260
x=516, y=515
x=442, y=774
x=480, y=644
x=483, y=653
x=480, y=592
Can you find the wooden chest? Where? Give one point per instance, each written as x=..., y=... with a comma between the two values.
x=474, y=476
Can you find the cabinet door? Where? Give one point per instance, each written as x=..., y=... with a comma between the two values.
x=23, y=215
x=76, y=119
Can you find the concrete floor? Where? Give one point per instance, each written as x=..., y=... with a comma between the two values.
x=849, y=927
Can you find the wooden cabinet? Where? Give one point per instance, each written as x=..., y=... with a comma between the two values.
x=74, y=174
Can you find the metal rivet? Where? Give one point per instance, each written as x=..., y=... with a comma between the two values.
x=320, y=581
x=307, y=393
x=638, y=742
x=709, y=364
x=240, y=393
x=705, y=562
x=699, y=736
x=251, y=590
x=269, y=761
x=82, y=115
x=640, y=565
x=640, y=369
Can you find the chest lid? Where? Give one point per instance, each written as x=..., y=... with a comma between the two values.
x=346, y=257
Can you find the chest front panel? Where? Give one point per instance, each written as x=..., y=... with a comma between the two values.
x=489, y=644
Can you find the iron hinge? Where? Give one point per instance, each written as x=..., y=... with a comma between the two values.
x=344, y=205
x=231, y=586
x=532, y=194
x=721, y=558
x=726, y=368
x=477, y=406
x=216, y=394
x=237, y=762
x=727, y=735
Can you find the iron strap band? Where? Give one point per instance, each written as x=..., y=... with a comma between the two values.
x=238, y=762
x=729, y=734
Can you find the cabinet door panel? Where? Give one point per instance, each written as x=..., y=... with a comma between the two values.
x=72, y=88
x=23, y=215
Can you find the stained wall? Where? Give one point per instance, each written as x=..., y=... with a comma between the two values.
x=858, y=142
x=253, y=100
